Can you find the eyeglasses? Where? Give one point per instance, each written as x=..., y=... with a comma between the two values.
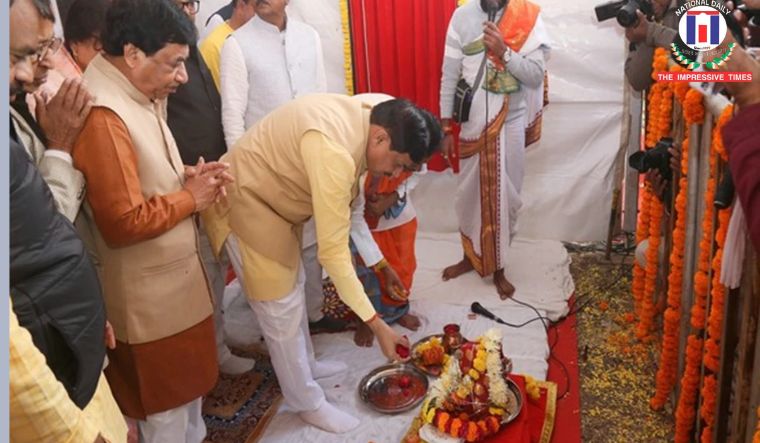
x=48, y=47
x=192, y=6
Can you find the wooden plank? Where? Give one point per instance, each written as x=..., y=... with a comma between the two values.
x=728, y=343
x=694, y=212
x=630, y=202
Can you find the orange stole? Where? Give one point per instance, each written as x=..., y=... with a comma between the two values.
x=515, y=25
x=397, y=244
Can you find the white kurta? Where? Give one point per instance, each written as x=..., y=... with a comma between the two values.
x=527, y=67
x=262, y=68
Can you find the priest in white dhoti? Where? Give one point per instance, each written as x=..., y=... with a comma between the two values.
x=492, y=140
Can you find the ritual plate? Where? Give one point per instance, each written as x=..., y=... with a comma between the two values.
x=417, y=359
x=393, y=388
x=515, y=401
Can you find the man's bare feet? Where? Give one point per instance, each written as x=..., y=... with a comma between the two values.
x=409, y=321
x=503, y=286
x=363, y=335
x=458, y=269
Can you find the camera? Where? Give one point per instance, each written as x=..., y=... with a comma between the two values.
x=724, y=193
x=624, y=11
x=656, y=158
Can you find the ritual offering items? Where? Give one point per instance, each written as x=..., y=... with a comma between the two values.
x=402, y=351
x=430, y=354
x=473, y=398
x=452, y=338
x=393, y=388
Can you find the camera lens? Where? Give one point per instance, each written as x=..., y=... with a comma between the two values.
x=627, y=15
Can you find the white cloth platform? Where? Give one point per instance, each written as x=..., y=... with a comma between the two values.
x=538, y=269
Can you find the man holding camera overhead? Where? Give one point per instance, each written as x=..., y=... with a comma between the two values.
x=646, y=35
x=498, y=48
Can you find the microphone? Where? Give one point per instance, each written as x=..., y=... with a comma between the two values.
x=491, y=15
x=477, y=308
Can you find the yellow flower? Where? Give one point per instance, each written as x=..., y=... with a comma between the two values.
x=479, y=364
x=347, y=59
x=532, y=388
x=496, y=411
x=474, y=374
x=430, y=415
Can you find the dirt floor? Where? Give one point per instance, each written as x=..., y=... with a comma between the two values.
x=617, y=373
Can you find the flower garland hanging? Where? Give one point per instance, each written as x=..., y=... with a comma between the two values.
x=660, y=101
x=644, y=284
x=693, y=107
x=348, y=67
x=686, y=408
x=668, y=366
x=711, y=357
x=648, y=309
x=642, y=232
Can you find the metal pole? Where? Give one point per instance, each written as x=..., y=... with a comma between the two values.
x=625, y=129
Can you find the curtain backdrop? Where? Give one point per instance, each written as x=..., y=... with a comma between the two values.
x=398, y=49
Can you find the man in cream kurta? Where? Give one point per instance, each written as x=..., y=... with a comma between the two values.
x=139, y=214
x=305, y=160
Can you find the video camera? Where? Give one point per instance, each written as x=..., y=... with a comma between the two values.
x=624, y=11
x=655, y=158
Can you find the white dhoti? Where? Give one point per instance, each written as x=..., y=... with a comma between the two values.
x=285, y=328
x=179, y=425
x=488, y=192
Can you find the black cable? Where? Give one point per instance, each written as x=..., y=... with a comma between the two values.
x=551, y=346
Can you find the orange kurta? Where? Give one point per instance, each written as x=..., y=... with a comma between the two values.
x=150, y=377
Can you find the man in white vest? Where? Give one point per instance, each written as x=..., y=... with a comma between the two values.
x=139, y=213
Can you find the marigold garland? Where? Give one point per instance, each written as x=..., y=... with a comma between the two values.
x=648, y=308
x=693, y=107
x=666, y=372
x=686, y=409
x=642, y=232
x=711, y=356
x=348, y=67
x=659, y=124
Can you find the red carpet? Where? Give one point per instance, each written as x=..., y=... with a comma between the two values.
x=567, y=426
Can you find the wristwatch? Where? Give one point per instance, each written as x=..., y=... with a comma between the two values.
x=507, y=55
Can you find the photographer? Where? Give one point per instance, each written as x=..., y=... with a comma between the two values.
x=644, y=37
